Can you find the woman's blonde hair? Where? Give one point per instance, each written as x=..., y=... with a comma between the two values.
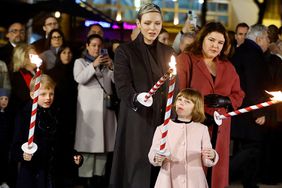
x=46, y=82
x=146, y=8
x=21, y=56
x=198, y=113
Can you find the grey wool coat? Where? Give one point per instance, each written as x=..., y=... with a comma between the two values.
x=95, y=125
x=137, y=68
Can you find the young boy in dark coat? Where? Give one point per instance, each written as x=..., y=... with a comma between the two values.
x=37, y=170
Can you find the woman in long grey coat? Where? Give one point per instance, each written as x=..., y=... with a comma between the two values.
x=138, y=66
x=96, y=125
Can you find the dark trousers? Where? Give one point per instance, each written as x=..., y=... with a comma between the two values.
x=28, y=177
x=271, y=154
x=3, y=165
x=245, y=162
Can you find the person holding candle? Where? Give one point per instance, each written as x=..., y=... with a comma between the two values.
x=138, y=66
x=205, y=68
x=22, y=72
x=184, y=166
x=37, y=170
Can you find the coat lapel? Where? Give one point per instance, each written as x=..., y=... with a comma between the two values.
x=219, y=71
x=143, y=56
x=202, y=67
x=162, y=58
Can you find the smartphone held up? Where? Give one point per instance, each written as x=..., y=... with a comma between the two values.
x=192, y=18
x=104, y=52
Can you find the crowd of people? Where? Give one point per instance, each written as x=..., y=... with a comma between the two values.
x=92, y=130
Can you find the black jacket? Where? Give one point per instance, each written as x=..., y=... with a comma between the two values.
x=250, y=64
x=41, y=168
x=137, y=67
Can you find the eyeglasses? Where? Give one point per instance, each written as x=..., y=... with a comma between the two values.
x=56, y=37
x=51, y=23
x=15, y=31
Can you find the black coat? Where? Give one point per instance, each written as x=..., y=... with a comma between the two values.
x=135, y=71
x=5, y=143
x=249, y=61
x=65, y=95
x=65, y=100
x=6, y=53
x=274, y=64
x=41, y=167
x=20, y=94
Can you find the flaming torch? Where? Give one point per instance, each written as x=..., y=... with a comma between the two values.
x=169, y=101
x=145, y=98
x=277, y=97
x=30, y=147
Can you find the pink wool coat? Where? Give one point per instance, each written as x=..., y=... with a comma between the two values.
x=184, y=168
x=227, y=83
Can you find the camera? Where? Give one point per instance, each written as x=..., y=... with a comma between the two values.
x=104, y=52
x=192, y=18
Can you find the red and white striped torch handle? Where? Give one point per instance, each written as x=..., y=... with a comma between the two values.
x=158, y=85
x=247, y=109
x=34, y=109
x=167, y=111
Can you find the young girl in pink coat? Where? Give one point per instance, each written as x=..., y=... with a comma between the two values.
x=188, y=143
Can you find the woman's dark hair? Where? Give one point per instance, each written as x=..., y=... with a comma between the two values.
x=50, y=37
x=62, y=48
x=273, y=32
x=280, y=30
x=93, y=36
x=163, y=30
x=231, y=44
x=197, y=45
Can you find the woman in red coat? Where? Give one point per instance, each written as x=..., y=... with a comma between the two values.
x=204, y=67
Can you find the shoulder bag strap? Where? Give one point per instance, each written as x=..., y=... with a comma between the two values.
x=100, y=84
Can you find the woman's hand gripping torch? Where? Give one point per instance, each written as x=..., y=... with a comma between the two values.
x=146, y=98
x=277, y=97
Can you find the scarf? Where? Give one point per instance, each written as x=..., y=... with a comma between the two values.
x=88, y=57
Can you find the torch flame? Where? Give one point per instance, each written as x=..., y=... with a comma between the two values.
x=172, y=65
x=277, y=95
x=35, y=59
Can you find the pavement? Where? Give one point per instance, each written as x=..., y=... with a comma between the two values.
x=238, y=185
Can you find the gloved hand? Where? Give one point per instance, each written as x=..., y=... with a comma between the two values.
x=217, y=101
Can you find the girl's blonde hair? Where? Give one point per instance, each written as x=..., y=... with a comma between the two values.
x=21, y=56
x=46, y=82
x=198, y=113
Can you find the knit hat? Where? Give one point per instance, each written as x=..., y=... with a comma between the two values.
x=4, y=92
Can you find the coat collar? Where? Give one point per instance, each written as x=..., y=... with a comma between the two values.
x=144, y=56
x=203, y=68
